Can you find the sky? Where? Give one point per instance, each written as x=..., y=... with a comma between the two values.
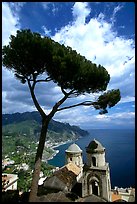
x=103, y=32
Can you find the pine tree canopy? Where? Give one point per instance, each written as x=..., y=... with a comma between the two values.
x=29, y=55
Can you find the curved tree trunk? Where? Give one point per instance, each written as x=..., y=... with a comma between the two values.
x=37, y=168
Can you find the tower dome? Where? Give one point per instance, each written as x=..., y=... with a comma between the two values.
x=74, y=155
x=95, y=154
x=74, y=148
x=95, y=146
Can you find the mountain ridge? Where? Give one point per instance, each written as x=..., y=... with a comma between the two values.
x=15, y=122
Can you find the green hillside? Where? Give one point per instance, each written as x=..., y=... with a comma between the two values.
x=21, y=131
x=29, y=124
x=28, y=127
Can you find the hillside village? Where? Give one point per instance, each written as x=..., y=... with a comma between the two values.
x=74, y=182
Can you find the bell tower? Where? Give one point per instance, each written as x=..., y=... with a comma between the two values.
x=96, y=176
x=74, y=155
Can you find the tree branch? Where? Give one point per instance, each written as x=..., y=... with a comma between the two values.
x=63, y=91
x=31, y=87
x=44, y=80
x=85, y=103
x=69, y=93
x=59, y=103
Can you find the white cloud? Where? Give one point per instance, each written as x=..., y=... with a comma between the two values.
x=16, y=6
x=127, y=99
x=46, y=31
x=88, y=119
x=116, y=116
x=52, y=5
x=116, y=9
x=80, y=11
x=10, y=23
x=102, y=117
x=97, y=41
x=123, y=115
x=45, y=5
x=97, y=38
x=54, y=9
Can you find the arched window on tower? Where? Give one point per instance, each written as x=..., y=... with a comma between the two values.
x=94, y=161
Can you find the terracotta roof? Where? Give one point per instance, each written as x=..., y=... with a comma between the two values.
x=66, y=176
x=115, y=197
x=72, y=167
x=68, y=173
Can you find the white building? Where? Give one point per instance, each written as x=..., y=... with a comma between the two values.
x=9, y=181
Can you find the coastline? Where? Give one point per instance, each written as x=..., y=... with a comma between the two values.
x=57, y=151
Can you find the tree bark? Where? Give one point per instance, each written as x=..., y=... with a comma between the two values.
x=37, y=168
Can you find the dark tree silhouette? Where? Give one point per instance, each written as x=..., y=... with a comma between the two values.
x=29, y=56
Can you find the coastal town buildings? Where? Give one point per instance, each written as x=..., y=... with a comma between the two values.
x=9, y=181
x=7, y=162
x=123, y=194
x=23, y=166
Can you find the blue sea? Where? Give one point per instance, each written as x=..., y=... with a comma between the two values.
x=120, y=153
